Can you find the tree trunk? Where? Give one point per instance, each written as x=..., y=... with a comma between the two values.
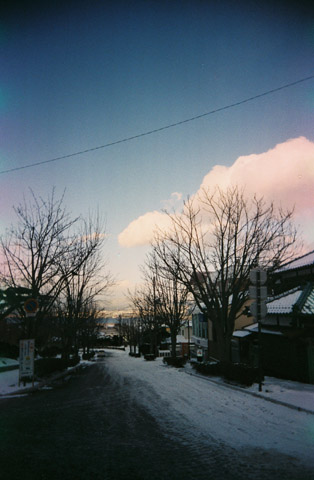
x=173, y=345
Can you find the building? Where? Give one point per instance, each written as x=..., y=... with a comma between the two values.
x=287, y=331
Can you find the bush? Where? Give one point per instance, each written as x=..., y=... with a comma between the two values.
x=237, y=372
x=149, y=356
x=177, y=362
x=51, y=351
x=73, y=361
x=241, y=373
x=205, y=368
x=9, y=351
x=47, y=366
x=88, y=356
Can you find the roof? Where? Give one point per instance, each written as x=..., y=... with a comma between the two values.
x=303, y=261
x=299, y=298
x=254, y=328
x=241, y=333
x=285, y=302
x=6, y=362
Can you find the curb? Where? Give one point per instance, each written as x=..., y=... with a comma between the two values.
x=44, y=382
x=254, y=394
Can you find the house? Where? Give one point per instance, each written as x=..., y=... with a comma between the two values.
x=294, y=273
x=287, y=331
x=203, y=333
x=109, y=327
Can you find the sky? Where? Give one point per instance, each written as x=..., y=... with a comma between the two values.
x=80, y=75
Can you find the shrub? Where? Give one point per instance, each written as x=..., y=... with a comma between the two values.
x=149, y=356
x=51, y=351
x=73, y=361
x=177, y=362
x=212, y=368
x=46, y=366
x=88, y=356
x=239, y=372
x=9, y=351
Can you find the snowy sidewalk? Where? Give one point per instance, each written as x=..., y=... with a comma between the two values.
x=9, y=381
x=285, y=392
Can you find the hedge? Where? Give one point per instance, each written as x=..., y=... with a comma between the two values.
x=237, y=372
x=177, y=362
x=47, y=366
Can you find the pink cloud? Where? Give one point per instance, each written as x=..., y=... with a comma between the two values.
x=283, y=174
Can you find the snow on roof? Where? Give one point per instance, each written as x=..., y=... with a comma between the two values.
x=300, y=297
x=6, y=362
x=308, y=307
x=196, y=310
x=180, y=339
x=285, y=302
x=305, y=260
x=251, y=327
x=241, y=333
x=254, y=328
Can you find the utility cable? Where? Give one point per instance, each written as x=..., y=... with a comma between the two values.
x=160, y=129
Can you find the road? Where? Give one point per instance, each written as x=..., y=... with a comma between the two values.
x=96, y=426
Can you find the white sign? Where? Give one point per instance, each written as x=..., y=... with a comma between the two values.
x=256, y=293
x=254, y=310
x=27, y=348
x=258, y=273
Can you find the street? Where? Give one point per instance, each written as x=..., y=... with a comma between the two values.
x=107, y=424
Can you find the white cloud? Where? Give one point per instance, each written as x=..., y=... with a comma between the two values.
x=283, y=174
x=174, y=202
x=141, y=231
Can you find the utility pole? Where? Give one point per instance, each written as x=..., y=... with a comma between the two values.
x=153, y=347
x=258, y=292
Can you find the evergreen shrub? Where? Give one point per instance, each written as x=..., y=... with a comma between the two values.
x=47, y=366
x=177, y=362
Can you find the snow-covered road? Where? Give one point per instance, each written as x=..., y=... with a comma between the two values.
x=200, y=411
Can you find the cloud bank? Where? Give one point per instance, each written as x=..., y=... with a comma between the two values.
x=141, y=231
x=283, y=174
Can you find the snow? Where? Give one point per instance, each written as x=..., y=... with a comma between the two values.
x=9, y=383
x=307, y=259
x=285, y=302
x=206, y=409
x=8, y=362
x=241, y=333
x=254, y=328
x=202, y=409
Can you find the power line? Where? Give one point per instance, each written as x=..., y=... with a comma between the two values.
x=160, y=129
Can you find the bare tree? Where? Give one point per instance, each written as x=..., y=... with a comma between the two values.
x=215, y=242
x=44, y=251
x=83, y=287
x=171, y=297
x=144, y=301
x=130, y=330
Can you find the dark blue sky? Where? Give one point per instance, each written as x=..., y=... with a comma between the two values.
x=75, y=75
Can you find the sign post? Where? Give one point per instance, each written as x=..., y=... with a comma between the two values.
x=258, y=292
x=27, y=348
